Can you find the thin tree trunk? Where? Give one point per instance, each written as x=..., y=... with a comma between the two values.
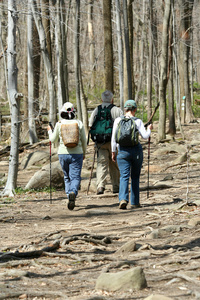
x=65, y=16
x=47, y=62
x=77, y=58
x=141, y=79
x=171, y=116
x=61, y=96
x=120, y=53
x=130, y=26
x=31, y=111
x=186, y=8
x=14, y=100
x=3, y=37
x=177, y=85
x=163, y=72
x=108, y=47
x=127, y=49
x=91, y=42
x=150, y=61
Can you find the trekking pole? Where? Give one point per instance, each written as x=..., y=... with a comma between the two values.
x=92, y=168
x=149, y=140
x=50, y=164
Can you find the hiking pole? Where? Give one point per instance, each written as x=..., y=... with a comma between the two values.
x=92, y=168
x=149, y=140
x=50, y=164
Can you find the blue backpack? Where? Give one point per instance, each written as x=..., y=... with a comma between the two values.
x=127, y=134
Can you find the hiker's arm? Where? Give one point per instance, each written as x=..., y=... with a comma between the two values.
x=92, y=117
x=83, y=140
x=145, y=134
x=113, y=141
x=114, y=156
x=53, y=135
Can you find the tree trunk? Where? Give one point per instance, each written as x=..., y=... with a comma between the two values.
x=163, y=72
x=150, y=61
x=108, y=48
x=127, y=50
x=61, y=96
x=65, y=24
x=47, y=62
x=120, y=53
x=130, y=26
x=186, y=7
x=3, y=37
x=142, y=61
x=77, y=57
x=31, y=111
x=171, y=116
x=14, y=100
x=91, y=42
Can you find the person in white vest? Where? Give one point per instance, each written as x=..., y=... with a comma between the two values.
x=71, y=151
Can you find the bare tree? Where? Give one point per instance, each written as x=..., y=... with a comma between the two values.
x=91, y=41
x=47, y=61
x=77, y=57
x=120, y=52
x=186, y=7
x=14, y=100
x=150, y=61
x=61, y=94
x=31, y=113
x=163, y=72
x=108, y=46
x=127, y=50
x=171, y=115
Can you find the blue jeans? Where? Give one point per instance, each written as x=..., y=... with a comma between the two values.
x=129, y=161
x=71, y=165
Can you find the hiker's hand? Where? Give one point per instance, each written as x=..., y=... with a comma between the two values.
x=48, y=128
x=114, y=156
x=150, y=126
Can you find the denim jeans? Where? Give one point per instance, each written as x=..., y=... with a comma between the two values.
x=71, y=165
x=129, y=161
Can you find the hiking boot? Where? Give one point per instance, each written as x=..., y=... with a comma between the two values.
x=123, y=204
x=135, y=206
x=100, y=191
x=71, y=203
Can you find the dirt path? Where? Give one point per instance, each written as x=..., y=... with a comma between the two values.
x=88, y=239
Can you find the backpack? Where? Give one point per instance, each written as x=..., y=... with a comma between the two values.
x=101, y=130
x=127, y=134
x=70, y=134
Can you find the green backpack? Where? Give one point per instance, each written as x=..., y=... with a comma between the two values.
x=101, y=130
x=127, y=134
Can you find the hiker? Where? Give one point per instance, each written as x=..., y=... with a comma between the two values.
x=71, y=150
x=129, y=158
x=101, y=124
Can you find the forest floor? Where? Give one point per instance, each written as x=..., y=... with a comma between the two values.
x=49, y=252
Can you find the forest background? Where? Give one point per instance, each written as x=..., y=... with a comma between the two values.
x=57, y=51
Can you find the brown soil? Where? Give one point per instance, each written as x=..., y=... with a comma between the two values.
x=89, y=236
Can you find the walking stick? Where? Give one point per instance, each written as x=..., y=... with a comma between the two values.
x=149, y=140
x=50, y=164
x=95, y=151
x=50, y=172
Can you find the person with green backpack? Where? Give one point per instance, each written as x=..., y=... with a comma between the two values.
x=101, y=125
x=127, y=150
